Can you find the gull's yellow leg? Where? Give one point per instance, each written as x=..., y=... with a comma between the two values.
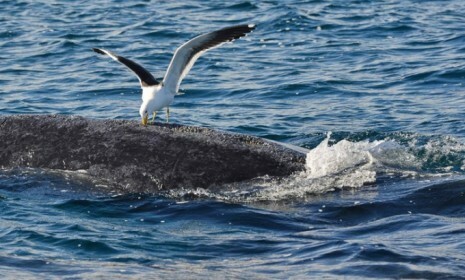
x=154, y=115
x=167, y=114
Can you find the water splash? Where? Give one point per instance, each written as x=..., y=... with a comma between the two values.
x=349, y=165
x=326, y=160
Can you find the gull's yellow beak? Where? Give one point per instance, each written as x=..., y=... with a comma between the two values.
x=145, y=120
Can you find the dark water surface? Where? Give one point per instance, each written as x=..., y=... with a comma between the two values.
x=383, y=194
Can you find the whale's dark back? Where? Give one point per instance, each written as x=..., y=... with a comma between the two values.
x=134, y=158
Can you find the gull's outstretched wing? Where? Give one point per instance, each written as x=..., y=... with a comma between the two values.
x=186, y=55
x=145, y=78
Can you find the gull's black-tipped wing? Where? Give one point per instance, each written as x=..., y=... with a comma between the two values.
x=186, y=55
x=145, y=78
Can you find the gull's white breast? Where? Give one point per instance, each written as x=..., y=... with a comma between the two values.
x=156, y=98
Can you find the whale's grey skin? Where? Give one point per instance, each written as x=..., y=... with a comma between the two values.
x=134, y=158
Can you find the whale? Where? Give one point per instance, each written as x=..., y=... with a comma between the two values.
x=142, y=159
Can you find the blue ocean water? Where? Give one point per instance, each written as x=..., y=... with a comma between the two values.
x=383, y=193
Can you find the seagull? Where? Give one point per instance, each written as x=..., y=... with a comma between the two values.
x=157, y=95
